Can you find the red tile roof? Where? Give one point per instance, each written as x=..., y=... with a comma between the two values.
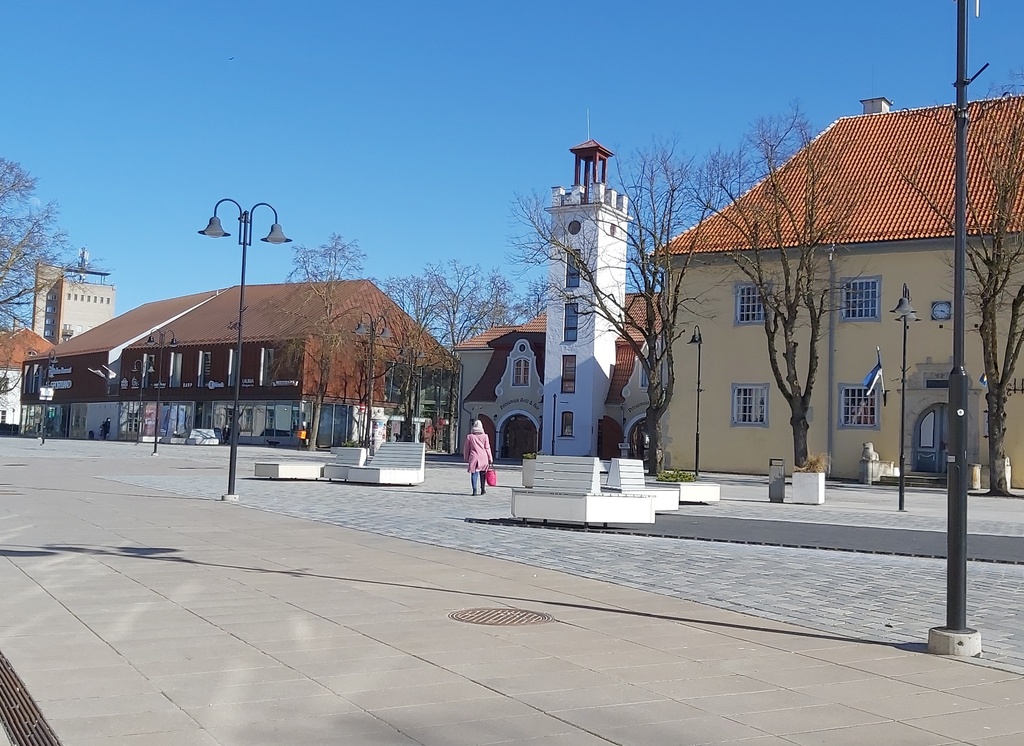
x=17, y=346
x=483, y=340
x=625, y=361
x=892, y=172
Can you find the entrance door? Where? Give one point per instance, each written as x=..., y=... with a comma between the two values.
x=930, y=440
x=519, y=436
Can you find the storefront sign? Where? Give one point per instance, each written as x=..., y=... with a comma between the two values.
x=55, y=371
x=124, y=383
x=60, y=384
x=521, y=400
x=248, y=383
x=214, y=385
x=285, y=383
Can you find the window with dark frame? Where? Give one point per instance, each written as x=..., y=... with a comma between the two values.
x=566, y=424
x=749, y=308
x=859, y=408
x=568, y=374
x=750, y=405
x=572, y=322
x=572, y=271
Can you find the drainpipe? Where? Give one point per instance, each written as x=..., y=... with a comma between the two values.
x=832, y=293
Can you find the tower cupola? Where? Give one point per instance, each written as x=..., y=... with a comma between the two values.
x=591, y=165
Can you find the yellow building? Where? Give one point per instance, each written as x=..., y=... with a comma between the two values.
x=890, y=175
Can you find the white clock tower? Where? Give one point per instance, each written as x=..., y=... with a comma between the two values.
x=591, y=220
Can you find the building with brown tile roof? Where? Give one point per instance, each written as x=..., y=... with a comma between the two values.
x=15, y=347
x=112, y=371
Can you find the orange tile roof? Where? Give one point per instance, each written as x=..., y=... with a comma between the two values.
x=889, y=171
x=17, y=346
x=483, y=340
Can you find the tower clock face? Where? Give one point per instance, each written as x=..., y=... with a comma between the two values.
x=575, y=227
x=942, y=310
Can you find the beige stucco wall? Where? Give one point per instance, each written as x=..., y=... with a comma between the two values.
x=737, y=354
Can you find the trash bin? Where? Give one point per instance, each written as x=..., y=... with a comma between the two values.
x=776, y=480
x=974, y=476
x=92, y=435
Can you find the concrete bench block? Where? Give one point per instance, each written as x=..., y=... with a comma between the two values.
x=289, y=470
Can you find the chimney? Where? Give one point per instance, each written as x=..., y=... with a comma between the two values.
x=879, y=105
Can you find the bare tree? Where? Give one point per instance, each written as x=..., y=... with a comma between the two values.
x=329, y=315
x=418, y=297
x=28, y=236
x=648, y=316
x=470, y=301
x=776, y=205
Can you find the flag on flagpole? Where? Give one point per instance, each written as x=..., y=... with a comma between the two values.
x=983, y=380
x=875, y=378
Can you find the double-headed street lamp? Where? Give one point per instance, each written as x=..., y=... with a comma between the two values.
x=139, y=368
x=376, y=329
x=160, y=341
x=696, y=339
x=905, y=313
x=276, y=236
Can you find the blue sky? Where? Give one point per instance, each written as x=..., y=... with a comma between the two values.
x=411, y=126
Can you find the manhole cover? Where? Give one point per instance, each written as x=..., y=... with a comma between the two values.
x=500, y=617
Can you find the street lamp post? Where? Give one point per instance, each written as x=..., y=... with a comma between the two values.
x=956, y=638
x=46, y=395
x=276, y=236
x=696, y=339
x=160, y=342
x=139, y=368
x=905, y=313
x=377, y=328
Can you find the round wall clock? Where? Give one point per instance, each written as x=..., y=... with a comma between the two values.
x=942, y=310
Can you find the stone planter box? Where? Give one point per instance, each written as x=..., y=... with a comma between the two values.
x=809, y=488
x=700, y=492
x=529, y=469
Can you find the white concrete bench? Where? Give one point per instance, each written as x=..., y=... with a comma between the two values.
x=344, y=459
x=393, y=463
x=289, y=470
x=627, y=475
x=567, y=489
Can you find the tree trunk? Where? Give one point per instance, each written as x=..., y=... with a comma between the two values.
x=798, y=421
x=314, y=425
x=998, y=485
x=655, y=456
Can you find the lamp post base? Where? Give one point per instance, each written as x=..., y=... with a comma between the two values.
x=229, y=498
x=962, y=643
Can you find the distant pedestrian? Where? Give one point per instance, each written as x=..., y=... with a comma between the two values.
x=227, y=435
x=105, y=429
x=477, y=453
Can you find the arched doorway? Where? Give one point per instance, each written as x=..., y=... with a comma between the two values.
x=638, y=439
x=518, y=436
x=930, y=440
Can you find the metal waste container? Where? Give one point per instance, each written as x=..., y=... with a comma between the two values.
x=776, y=480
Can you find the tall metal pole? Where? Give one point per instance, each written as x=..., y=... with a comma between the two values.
x=368, y=425
x=159, y=386
x=244, y=240
x=956, y=537
x=902, y=423
x=696, y=438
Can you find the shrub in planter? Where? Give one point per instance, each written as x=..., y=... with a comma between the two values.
x=529, y=469
x=676, y=475
x=527, y=456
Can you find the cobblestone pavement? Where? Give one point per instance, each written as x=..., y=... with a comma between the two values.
x=873, y=597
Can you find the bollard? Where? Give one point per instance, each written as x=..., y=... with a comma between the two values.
x=776, y=480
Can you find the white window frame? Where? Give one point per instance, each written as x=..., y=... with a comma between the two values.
x=231, y=367
x=566, y=424
x=749, y=308
x=266, y=365
x=745, y=397
x=521, y=372
x=853, y=398
x=174, y=374
x=866, y=296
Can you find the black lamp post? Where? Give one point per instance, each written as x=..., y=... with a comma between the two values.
x=956, y=638
x=138, y=368
x=377, y=329
x=276, y=236
x=160, y=342
x=46, y=394
x=696, y=339
x=905, y=313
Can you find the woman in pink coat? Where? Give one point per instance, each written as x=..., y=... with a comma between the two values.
x=477, y=453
